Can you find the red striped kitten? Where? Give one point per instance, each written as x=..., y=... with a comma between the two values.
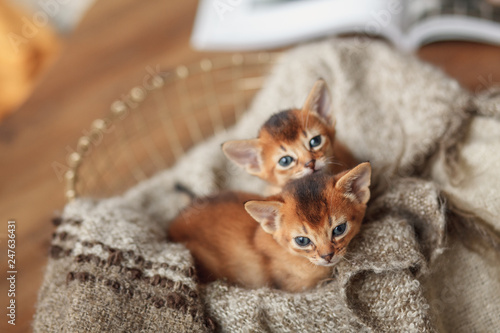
x=288, y=241
x=294, y=143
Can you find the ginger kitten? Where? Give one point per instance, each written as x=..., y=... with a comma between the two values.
x=294, y=143
x=287, y=241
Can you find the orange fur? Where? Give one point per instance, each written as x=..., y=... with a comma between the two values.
x=254, y=241
x=290, y=133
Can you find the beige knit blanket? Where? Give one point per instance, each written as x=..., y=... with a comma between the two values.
x=432, y=146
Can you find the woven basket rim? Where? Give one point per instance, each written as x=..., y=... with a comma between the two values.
x=138, y=94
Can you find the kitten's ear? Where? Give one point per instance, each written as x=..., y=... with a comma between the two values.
x=320, y=100
x=267, y=213
x=245, y=153
x=355, y=183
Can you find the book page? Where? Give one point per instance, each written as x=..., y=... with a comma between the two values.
x=417, y=11
x=432, y=20
x=266, y=24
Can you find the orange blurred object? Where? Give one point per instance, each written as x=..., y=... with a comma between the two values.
x=28, y=47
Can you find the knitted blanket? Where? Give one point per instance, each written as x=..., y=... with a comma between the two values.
x=112, y=270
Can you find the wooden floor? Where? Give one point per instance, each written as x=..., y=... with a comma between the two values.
x=107, y=55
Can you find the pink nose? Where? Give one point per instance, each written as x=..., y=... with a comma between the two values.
x=328, y=256
x=310, y=164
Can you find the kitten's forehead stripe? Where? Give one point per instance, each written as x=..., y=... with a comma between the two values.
x=283, y=126
x=308, y=192
x=338, y=220
x=305, y=230
x=283, y=148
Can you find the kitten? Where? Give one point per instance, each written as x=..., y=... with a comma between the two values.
x=294, y=143
x=287, y=241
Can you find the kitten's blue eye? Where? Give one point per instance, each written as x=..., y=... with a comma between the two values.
x=339, y=230
x=316, y=141
x=302, y=241
x=285, y=161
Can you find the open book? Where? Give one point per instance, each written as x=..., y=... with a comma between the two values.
x=267, y=24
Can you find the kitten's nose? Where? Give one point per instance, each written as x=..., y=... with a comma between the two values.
x=311, y=164
x=328, y=256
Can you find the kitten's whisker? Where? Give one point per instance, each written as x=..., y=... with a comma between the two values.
x=348, y=260
x=331, y=160
x=326, y=280
x=333, y=163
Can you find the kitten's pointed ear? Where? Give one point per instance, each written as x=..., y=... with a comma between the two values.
x=320, y=100
x=355, y=183
x=267, y=213
x=245, y=153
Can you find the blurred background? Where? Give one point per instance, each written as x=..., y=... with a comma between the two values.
x=34, y=31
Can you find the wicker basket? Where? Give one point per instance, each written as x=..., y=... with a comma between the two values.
x=153, y=125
